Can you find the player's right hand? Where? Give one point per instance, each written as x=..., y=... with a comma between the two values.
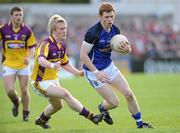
x=57, y=66
x=102, y=77
x=125, y=47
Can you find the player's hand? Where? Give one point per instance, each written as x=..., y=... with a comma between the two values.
x=27, y=61
x=57, y=65
x=125, y=47
x=81, y=73
x=102, y=77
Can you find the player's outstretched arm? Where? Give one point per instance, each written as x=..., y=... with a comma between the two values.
x=68, y=67
x=45, y=63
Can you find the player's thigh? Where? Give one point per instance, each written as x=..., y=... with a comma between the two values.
x=40, y=88
x=120, y=83
x=23, y=81
x=108, y=94
x=9, y=78
x=9, y=82
x=57, y=91
x=23, y=75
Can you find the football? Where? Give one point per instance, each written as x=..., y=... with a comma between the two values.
x=120, y=44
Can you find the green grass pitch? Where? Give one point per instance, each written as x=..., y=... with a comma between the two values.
x=158, y=96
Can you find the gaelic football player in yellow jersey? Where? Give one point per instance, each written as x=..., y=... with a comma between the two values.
x=50, y=56
x=18, y=46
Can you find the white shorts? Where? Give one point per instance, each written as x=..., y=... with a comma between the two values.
x=10, y=71
x=40, y=88
x=112, y=71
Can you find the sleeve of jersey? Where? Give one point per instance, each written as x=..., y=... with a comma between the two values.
x=1, y=31
x=117, y=29
x=64, y=60
x=90, y=37
x=31, y=42
x=0, y=35
x=43, y=50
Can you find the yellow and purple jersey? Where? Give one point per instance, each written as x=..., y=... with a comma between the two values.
x=16, y=45
x=53, y=52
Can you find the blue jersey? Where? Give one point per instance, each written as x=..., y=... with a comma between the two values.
x=101, y=51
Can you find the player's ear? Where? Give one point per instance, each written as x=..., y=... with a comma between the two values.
x=100, y=16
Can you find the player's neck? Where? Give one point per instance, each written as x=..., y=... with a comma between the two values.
x=58, y=40
x=107, y=29
x=16, y=26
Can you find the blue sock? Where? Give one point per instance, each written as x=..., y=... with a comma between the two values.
x=138, y=119
x=101, y=107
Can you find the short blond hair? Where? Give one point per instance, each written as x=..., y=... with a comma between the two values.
x=53, y=21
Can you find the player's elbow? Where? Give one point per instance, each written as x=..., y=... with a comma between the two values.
x=41, y=61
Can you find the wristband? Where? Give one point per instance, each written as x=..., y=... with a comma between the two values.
x=52, y=65
x=95, y=71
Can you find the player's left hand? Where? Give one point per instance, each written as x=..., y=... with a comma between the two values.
x=27, y=61
x=81, y=73
x=102, y=77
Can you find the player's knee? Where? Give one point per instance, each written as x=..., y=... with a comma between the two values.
x=66, y=95
x=129, y=97
x=24, y=87
x=57, y=106
x=24, y=92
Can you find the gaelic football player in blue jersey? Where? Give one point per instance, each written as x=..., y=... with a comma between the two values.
x=18, y=47
x=49, y=58
x=100, y=70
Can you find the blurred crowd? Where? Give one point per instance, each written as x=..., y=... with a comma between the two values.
x=150, y=37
